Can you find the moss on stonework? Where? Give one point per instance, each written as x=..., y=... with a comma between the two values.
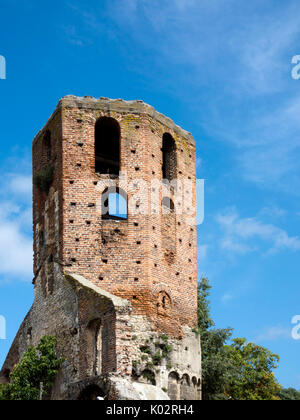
x=44, y=178
x=153, y=354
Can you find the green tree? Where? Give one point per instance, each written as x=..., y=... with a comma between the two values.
x=33, y=377
x=289, y=394
x=237, y=371
x=252, y=376
x=216, y=366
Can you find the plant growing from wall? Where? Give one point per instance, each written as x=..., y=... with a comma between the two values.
x=33, y=377
x=44, y=178
x=153, y=354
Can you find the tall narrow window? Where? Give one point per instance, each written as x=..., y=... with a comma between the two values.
x=94, y=347
x=107, y=146
x=169, y=168
x=48, y=145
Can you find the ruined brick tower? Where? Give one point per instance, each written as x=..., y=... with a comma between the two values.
x=115, y=252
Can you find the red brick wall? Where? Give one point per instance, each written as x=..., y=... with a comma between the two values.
x=128, y=258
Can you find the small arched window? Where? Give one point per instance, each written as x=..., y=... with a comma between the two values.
x=164, y=304
x=107, y=146
x=169, y=168
x=114, y=204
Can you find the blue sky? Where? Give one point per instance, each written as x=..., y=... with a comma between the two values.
x=219, y=68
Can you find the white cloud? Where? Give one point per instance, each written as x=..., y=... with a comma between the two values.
x=230, y=61
x=16, y=253
x=21, y=184
x=274, y=334
x=227, y=298
x=239, y=232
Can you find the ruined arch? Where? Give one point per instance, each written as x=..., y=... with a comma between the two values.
x=185, y=388
x=173, y=386
x=107, y=146
x=195, y=388
x=91, y=393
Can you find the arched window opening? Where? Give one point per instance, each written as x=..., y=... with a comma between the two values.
x=114, y=204
x=185, y=392
x=169, y=168
x=173, y=386
x=48, y=145
x=107, y=146
x=92, y=393
x=95, y=347
x=195, y=388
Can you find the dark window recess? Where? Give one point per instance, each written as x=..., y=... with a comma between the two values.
x=107, y=146
x=48, y=145
x=42, y=238
x=169, y=168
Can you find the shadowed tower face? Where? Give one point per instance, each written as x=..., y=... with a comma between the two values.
x=103, y=208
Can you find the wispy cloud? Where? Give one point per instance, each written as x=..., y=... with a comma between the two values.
x=274, y=334
x=228, y=60
x=15, y=228
x=202, y=251
x=238, y=234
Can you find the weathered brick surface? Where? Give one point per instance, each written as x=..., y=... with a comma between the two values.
x=102, y=287
x=135, y=259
